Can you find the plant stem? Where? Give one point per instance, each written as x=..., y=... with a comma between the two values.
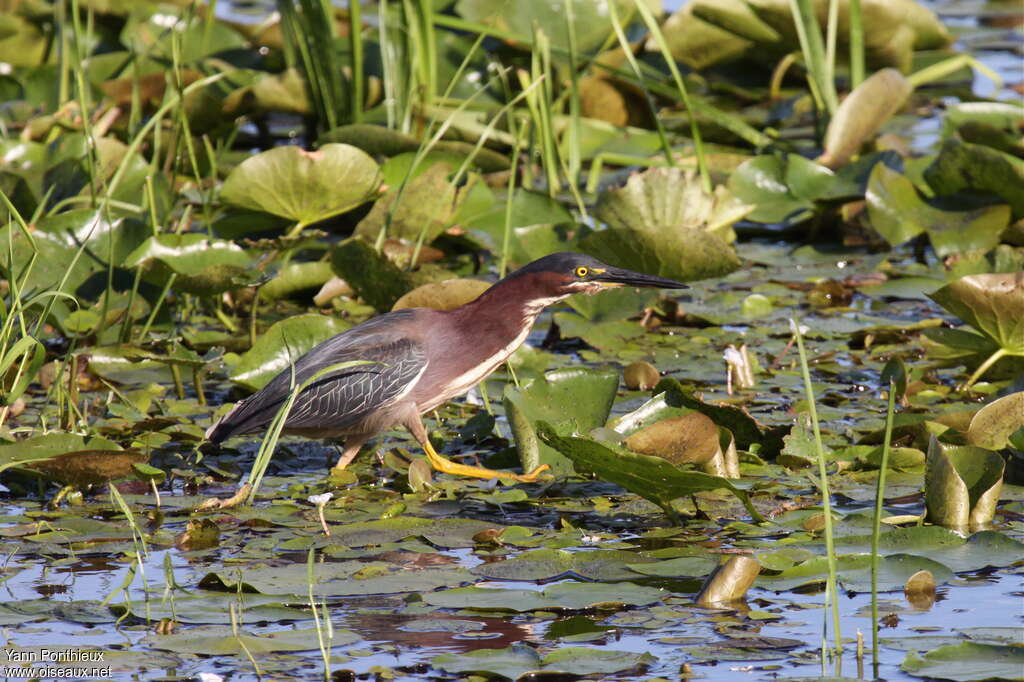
x=877, y=523
x=826, y=495
x=991, y=360
x=856, y=44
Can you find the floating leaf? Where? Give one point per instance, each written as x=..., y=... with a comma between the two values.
x=85, y=468
x=783, y=188
x=688, y=439
x=304, y=186
x=285, y=342
x=967, y=661
x=574, y=399
x=962, y=485
x=545, y=564
x=650, y=477
x=855, y=572
x=202, y=265
x=296, y=277
x=570, y=595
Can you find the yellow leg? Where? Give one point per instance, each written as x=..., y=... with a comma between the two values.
x=446, y=466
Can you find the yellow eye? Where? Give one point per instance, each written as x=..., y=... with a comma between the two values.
x=582, y=271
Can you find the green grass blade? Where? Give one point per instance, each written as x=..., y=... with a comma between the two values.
x=877, y=521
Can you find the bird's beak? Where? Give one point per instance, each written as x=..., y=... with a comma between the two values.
x=617, y=277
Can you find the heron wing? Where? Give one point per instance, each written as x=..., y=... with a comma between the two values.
x=341, y=398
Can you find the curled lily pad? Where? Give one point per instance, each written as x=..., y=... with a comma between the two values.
x=650, y=477
x=994, y=305
x=574, y=400
x=962, y=485
x=297, y=277
x=640, y=375
x=992, y=426
x=201, y=265
x=862, y=113
x=304, y=186
x=730, y=581
x=284, y=342
x=688, y=439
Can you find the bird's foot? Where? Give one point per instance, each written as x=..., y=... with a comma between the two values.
x=446, y=466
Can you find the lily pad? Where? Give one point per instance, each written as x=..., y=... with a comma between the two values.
x=220, y=640
x=973, y=168
x=661, y=200
x=688, y=439
x=967, y=661
x=652, y=478
x=282, y=344
x=545, y=564
x=783, y=188
x=729, y=582
x=304, y=186
x=592, y=25
x=992, y=426
x=994, y=305
x=202, y=265
x=569, y=595
x=574, y=399
x=899, y=214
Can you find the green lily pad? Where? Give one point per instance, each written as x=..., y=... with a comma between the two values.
x=509, y=663
x=573, y=399
x=967, y=661
x=592, y=25
x=662, y=200
x=304, y=186
x=347, y=578
x=51, y=445
x=444, y=295
x=783, y=188
x=961, y=484
x=652, y=478
x=421, y=211
x=899, y=214
x=282, y=344
x=220, y=640
x=296, y=277
x=981, y=550
x=203, y=266
x=683, y=254
x=570, y=595
x=973, y=168
x=544, y=564
x=855, y=572
x=992, y=426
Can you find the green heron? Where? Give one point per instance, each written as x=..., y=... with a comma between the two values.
x=420, y=358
